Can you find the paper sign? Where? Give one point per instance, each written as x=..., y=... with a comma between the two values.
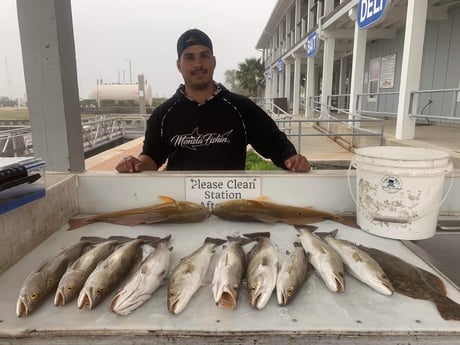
x=209, y=191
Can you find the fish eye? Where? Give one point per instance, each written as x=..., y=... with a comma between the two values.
x=98, y=292
x=34, y=296
x=253, y=288
x=290, y=291
x=70, y=288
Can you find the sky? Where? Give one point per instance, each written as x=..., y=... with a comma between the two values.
x=111, y=35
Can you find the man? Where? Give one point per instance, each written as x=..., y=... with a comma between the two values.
x=206, y=127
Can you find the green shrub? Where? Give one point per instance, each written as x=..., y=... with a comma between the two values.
x=255, y=162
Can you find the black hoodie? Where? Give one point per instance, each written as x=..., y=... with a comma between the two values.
x=212, y=135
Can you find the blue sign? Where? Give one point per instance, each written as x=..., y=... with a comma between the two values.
x=311, y=45
x=280, y=66
x=370, y=12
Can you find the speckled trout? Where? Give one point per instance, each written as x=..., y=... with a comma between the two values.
x=151, y=274
x=78, y=271
x=293, y=273
x=189, y=275
x=169, y=211
x=262, y=270
x=360, y=264
x=45, y=278
x=228, y=273
x=326, y=261
x=110, y=272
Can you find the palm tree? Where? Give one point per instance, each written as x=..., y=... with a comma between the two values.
x=230, y=80
x=250, y=75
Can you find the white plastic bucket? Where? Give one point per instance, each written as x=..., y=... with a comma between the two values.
x=399, y=190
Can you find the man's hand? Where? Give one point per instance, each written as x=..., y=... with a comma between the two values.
x=297, y=163
x=129, y=164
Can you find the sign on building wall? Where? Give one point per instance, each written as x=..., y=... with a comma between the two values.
x=280, y=66
x=311, y=44
x=387, y=71
x=370, y=12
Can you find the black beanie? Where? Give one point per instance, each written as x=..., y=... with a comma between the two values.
x=193, y=37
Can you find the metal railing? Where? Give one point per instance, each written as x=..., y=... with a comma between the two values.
x=437, y=105
x=15, y=141
x=343, y=124
x=97, y=131
x=449, y=98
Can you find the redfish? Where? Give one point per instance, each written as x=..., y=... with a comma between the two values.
x=269, y=212
x=169, y=211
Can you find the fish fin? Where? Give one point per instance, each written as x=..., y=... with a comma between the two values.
x=296, y=221
x=124, y=221
x=256, y=203
x=347, y=220
x=256, y=235
x=261, y=198
x=433, y=281
x=76, y=223
x=167, y=199
x=448, y=309
x=266, y=219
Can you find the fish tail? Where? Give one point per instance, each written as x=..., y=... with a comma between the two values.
x=121, y=239
x=153, y=240
x=311, y=228
x=332, y=233
x=241, y=240
x=216, y=241
x=76, y=223
x=93, y=239
x=448, y=309
x=256, y=235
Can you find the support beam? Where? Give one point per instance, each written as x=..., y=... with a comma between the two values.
x=51, y=82
x=359, y=57
x=411, y=66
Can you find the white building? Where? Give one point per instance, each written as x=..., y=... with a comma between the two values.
x=406, y=64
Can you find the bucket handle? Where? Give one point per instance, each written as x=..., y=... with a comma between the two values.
x=397, y=219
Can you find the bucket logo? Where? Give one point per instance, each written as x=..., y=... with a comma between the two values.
x=391, y=184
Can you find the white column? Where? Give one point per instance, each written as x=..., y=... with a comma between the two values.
x=51, y=82
x=328, y=69
x=411, y=65
x=309, y=86
x=287, y=82
x=359, y=56
x=275, y=83
x=297, y=84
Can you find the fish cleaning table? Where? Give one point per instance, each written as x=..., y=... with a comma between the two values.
x=316, y=315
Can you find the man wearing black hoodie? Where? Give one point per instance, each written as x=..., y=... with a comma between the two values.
x=204, y=126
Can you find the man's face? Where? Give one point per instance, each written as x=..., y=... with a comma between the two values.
x=196, y=64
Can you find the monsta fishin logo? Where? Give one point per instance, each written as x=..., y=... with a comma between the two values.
x=195, y=139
